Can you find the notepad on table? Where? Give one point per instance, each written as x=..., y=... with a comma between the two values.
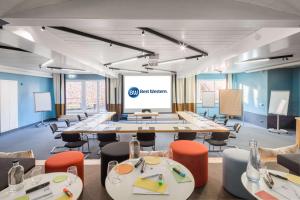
x=178, y=178
x=149, y=185
x=293, y=178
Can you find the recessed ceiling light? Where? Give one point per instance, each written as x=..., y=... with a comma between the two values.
x=182, y=47
x=143, y=33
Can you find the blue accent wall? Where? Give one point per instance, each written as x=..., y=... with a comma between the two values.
x=282, y=79
x=27, y=85
x=255, y=88
x=296, y=91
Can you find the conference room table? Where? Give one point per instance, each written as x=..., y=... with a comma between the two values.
x=193, y=125
x=145, y=114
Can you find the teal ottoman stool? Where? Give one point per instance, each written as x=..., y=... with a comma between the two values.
x=234, y=165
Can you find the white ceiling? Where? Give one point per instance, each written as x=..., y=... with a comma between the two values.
x=221, y=28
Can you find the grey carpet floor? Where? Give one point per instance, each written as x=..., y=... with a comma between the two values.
x=41, y=140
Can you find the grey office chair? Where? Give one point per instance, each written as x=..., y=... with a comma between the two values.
x=146, y=139
x=79, y=118
x=68, y=123
x=224, y=123
x=57, y=135
x=217, y=139
x=185, y=136
x=146, y=110
x=106, y=138
x=74, y=141
x=236, y=129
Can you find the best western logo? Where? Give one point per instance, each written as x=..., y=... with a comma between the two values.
x=134, y=92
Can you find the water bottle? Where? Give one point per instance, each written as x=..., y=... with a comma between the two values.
x=134, y=148
x=16, y=177
x=253, y=163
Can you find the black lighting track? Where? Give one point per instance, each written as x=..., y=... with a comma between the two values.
x=140, y=56
x=88, y=35
x=13, y=49
x=283, y=56
x=163, y=70
x=2, y=23
x=271, y=58
x=130, y=70
x=186, y=58
x=61, y=68
x=149, y=30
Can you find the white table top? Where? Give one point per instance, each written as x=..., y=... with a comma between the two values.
x=177, y=191
x=145, y=114
x=56, y=188
x=253, y=187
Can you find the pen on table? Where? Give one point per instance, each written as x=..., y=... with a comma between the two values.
x=143, y=166
x=278, y=176
x=151, y=176
x=160, y=180
x=267, y=183
x=68, y=192
x=178, y=172
x=268, y=176
x=139, y=162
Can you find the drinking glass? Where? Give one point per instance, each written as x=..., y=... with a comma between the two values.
x=34, y=175
x=112, y=176
x=72, y=171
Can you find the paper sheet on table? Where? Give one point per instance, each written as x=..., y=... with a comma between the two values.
x=178, y=178
x=181, y=128
x=137, y=190
x=287, y=190
x=150, y=185
x=293, y=178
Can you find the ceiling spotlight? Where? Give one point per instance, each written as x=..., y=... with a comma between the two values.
x=143, y=33
x=110, y=44
x=197, y=58
x=182, y=46
x=43, y=28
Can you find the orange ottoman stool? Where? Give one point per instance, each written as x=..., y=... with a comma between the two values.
x=193, y=156
x=61, y=161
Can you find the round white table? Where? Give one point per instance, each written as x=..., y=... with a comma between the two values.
x=55, y=188
x=278, y=189
x=177, y=191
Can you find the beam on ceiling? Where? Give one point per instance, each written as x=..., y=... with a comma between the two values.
x=2, y=22
x=88, y=35
x=149, y=30
x=13, y=49
x=130, y=70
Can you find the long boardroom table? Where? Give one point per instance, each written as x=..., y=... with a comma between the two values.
x=194, y=123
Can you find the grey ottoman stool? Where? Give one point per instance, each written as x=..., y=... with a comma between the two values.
x=234, y=165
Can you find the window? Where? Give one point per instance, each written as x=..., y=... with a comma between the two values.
x=73, y=95
x=91, y=95
x=85, y=96
x=210, y=85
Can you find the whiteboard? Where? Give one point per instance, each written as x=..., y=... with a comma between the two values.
x=208, y=99
x=42, y=101
x=231, y=102
x=279, y=102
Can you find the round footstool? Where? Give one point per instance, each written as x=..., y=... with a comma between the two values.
x=61, y=161
x=118, y=151
x=234, y=165
x=193, y=156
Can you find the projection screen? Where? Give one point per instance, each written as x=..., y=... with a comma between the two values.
x=150, y=92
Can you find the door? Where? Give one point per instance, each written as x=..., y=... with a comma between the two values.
x=9, y=105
